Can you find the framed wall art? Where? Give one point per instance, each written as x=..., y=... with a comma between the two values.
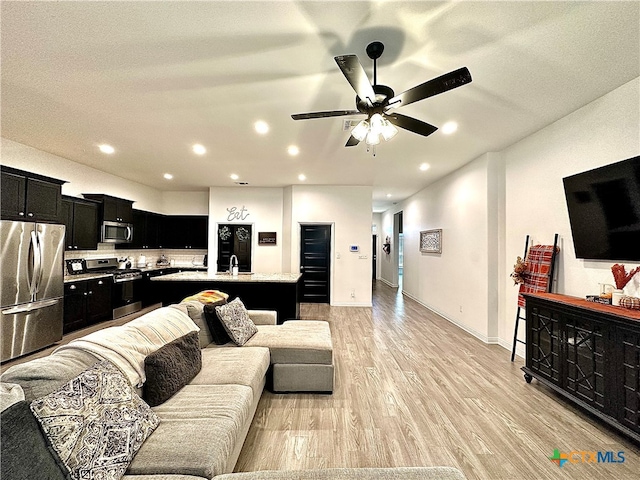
x=431, y=241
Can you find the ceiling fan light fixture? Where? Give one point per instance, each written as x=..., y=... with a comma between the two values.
x=376, y=123
x=360, y=131
x=388, y=131
x=373, y=138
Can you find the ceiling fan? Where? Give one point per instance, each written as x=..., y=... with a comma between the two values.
x=377, y=101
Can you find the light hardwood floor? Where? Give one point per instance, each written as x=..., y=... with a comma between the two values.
x=413, y=389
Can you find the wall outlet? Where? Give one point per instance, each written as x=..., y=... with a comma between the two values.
x=353, y=293
x=338, y=255
x=460, y=308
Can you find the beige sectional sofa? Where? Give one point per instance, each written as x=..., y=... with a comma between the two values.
x=202, y=427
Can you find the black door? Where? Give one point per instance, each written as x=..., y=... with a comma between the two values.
x=374, y=255
x=235, y=240
x=315, y=251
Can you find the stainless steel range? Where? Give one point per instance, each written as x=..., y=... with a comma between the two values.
x=127, y=284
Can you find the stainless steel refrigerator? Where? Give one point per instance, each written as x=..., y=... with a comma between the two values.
x=32, y=288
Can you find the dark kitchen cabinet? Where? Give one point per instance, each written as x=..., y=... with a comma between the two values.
x=113, y=209
x=185, y=231
x=151, y=293
x=80, y=217
x=87, y=302
x=589, y=353
x=146, y=230
x=30, y=197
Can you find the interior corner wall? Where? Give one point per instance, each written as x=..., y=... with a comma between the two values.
x=185, y=203
x=263, y=209
x=603, y=132
x=453, y=283
x=349, y=210
x=286, y=229
x=80, y=178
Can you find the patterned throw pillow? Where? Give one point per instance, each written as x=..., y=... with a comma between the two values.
x=236, y=321
x=96, y=423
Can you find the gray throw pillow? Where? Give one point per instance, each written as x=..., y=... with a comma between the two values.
x=236, y=321
x=96, y=423
x=170, y=368
x=195, y=310
x=26, y=454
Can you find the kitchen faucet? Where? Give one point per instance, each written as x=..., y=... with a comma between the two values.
x=232, y=264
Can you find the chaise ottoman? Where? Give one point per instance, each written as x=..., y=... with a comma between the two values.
x=301, y=355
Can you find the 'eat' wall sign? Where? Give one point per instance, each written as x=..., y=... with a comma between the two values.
x=235, y=214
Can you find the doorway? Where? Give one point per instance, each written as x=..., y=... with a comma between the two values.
x=398, y=253
x=315, y=263
x=234, y=239
x=374, y=255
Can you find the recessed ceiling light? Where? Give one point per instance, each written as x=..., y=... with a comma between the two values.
x=261, y=127
x=199, y=149
x=302, y=177
x=425, y=166
x=234, y=176
x=388, y=195
x=449, y=128
x=168, y=176
x=293, y=150
x=108, y=149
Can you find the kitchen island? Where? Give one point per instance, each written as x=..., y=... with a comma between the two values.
x=269, y=291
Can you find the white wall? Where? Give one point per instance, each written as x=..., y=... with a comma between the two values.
x=80, y=178
x=604, y=131
x=487, y=208
x=185, y=203
x=348, y=209
x=263, y=210
x=455, y=282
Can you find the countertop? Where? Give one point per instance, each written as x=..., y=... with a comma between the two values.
x=225, y=277
x=153, y=268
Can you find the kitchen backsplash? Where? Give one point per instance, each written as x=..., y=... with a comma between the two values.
x=181, y=258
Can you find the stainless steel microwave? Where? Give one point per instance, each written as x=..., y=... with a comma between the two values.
x=116, y=232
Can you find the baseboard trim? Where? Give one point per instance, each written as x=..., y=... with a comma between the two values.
x=475, y=333
x=351, y=305
x=387, y=282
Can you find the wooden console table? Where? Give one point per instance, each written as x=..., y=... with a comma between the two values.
x=589, y=353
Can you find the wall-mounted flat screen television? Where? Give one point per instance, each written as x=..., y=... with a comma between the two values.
x=604, y=211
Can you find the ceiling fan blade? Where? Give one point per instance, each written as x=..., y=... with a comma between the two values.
x=412, y=124
x=352, y=142
x=356, y=76
x=446, y=82
x=332, y=113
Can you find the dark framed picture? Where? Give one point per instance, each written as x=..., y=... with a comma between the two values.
x=431, y=241
x=266, y=238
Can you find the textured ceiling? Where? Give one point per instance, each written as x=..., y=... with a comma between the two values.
x=153, y=78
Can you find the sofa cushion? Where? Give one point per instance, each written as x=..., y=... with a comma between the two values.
x=200, y=427
x=128, y=345
x=236, y=321
x=26, y=454
x=195, y=310
x=162, y=477
x=41, y=376
x=296, y=341
x=171, y=367
x=227, y=366
x=219, y=334
x=96, y=423
x=397, y=473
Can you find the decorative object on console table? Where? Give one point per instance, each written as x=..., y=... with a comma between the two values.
x=431, y=241
x=632, y=303
x=621, y=276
